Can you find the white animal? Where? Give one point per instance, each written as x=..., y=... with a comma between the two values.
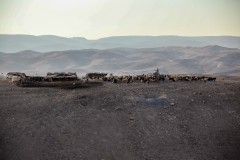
x=16, y=78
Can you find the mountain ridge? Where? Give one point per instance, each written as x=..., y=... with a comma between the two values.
x=46, y=43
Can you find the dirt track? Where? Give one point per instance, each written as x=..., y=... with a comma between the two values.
x=167, y=120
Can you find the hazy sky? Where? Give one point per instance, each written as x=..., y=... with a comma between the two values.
x=102, y=18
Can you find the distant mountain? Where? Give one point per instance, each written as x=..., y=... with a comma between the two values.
x=47, y=43
x=170, y=60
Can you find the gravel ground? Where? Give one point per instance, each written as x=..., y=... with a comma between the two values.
x=166, y=120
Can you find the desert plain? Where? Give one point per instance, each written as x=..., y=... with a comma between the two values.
x=136, y=121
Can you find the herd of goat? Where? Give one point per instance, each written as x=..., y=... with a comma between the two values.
x=22, y=78
x=155, y=78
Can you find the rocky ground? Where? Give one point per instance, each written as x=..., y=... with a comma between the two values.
x=166, y=120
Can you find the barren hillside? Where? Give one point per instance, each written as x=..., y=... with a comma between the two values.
x=169, y=60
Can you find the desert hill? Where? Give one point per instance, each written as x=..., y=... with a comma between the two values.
x=170, y=60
